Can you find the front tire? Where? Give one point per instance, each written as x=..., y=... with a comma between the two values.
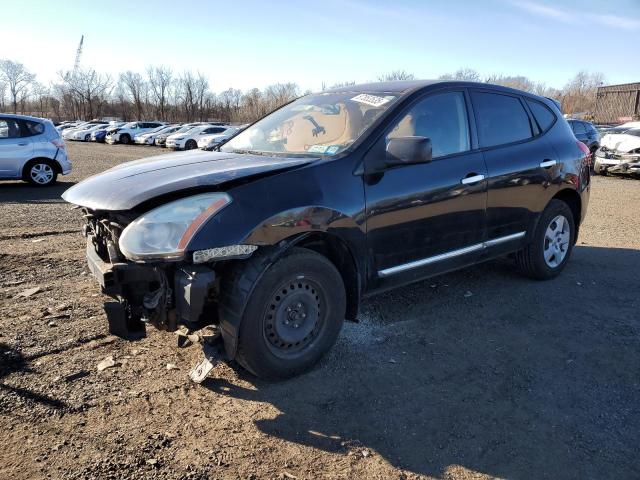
x=551, y=245
x=125, y=139
x=294, y=310
x=190, y=145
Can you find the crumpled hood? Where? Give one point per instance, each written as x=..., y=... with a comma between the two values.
x=620, y=142
x=129, y=184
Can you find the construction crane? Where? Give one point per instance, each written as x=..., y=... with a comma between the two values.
x=76, y=65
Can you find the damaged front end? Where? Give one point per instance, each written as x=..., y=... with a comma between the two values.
x=165, y=294
x=614, y=161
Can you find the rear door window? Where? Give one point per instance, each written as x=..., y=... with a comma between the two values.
x=9, y=128
x=543, y=114
x=578, y=128
x=32, y=128
x=500, y=119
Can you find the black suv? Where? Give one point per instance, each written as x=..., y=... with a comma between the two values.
x=587, y=133
x=276, y=237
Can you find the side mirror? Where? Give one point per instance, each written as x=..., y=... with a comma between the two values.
x=408, y=150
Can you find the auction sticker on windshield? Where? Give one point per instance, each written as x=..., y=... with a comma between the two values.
x=372, y=100
x=317, y=148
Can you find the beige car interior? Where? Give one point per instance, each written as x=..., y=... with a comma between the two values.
x=340, y=128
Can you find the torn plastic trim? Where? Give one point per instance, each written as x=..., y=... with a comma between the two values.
x=223, y=253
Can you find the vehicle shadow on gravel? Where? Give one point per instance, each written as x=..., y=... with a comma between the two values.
x=522, y=380
x=21, y=192
x=13, y=361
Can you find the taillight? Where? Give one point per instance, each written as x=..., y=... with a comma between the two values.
x=58, y=143
x=587, y=154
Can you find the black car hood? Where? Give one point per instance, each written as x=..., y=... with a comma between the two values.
x=127, y=185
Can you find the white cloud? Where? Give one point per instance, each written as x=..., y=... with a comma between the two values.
x=616, y=21
x=544, y=10
x=575, y=17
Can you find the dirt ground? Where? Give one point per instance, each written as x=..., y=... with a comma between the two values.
x=476, y=374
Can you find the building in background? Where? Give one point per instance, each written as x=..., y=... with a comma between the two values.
x=617, y=103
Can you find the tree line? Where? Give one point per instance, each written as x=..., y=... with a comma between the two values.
x=159, y=93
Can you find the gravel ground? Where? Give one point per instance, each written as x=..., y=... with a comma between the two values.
x=475, y=374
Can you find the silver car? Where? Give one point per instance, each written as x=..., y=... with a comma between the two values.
x=31, y=149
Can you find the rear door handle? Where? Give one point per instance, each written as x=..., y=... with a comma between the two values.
x=472, y=179
x=23, y=144
x=548, y=163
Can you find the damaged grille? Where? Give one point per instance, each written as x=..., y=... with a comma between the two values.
x=104, y=230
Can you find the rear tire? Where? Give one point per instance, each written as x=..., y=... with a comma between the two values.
x=87, y=137
x=293, y=312
x=41, y=172
x=551, y=245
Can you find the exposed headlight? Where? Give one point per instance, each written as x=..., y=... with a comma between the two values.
x=164, y=232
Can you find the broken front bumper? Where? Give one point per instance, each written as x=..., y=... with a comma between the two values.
x=163, y=294
x=618, y=162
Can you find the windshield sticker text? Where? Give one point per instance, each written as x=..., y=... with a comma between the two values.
x=372, y=100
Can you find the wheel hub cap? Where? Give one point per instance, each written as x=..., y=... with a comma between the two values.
x=41, y=173
x=556, y=241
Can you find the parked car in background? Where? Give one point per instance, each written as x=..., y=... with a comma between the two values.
x=67, y=134
x=333, y=197
x=619, y=153
x=66, y=125
x=189, y=140
x=100, y=135
x=587, y=133
x=126, y=132
x=84, y=134
x=31, y=149
x=149, y=137
x=161, y=138
x=210, y=141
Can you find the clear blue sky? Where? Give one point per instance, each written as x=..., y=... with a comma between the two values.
x=250, y=43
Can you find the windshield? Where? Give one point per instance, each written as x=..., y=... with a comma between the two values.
x=186, y=128
x=634, y=131
x=321, y=124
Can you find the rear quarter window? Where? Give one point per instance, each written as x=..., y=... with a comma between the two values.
x=543, y=115
x=500, y=119
x=32, y=128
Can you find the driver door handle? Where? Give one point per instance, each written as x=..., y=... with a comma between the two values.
x=472, y=179
x=23, y=144
x=548, y=163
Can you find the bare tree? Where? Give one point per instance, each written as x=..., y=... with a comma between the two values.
x=136, y=87
x=85, y=91
x=3, y=94
x=396, y=75
x=40, y=97
x=201, y=89
x=18, y=79
x=579, y=94
x=160, y=79
x=464, y=74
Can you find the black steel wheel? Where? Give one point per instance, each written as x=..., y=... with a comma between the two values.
x=294, y=316
x=290, y=312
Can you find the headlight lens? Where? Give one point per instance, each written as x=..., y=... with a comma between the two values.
x=164, y=232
